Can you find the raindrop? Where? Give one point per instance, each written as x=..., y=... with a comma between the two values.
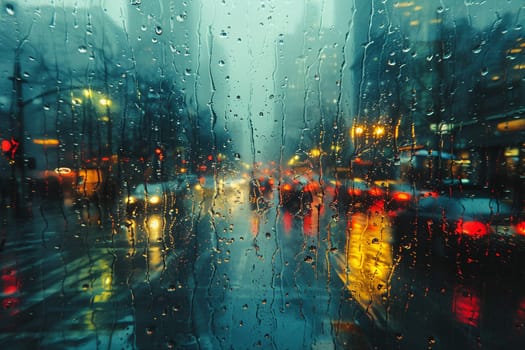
x=223, y=34
x=154, y=40
x=82, y=49
x=476, y=49
x=143, y=27
x=440, y=9
x=47, y=107
x=308, y=260
x=268, y=235
x=158, y=30
x=221, y=63
x=180, y=18
x=10, y=9
x=149, y=331
x=187, y=71
x=237, y=156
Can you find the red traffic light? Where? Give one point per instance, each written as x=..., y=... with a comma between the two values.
x=159, y=153
x=9, y=147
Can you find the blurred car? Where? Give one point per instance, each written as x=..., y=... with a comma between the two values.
x=355, y=193
x=462, y=230
x=297, y=192
x=399, y=195
x=158, y=195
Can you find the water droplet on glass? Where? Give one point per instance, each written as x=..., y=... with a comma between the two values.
x=268, y=235
x=484, y=71
x=223, y=34
x=46, y=107
x=10, y=9
x=143, y=27
x=82, y=49
x=158, y=30
x=221, y=63
x=180, y=18
x=477, y=49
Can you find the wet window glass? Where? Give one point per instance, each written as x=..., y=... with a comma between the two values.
x=227, y=174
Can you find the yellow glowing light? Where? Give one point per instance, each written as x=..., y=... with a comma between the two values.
x=46, y=142
x=154, y=200
x=358, y=130
x=105, y=102
x=63, y=171
x=379, y=131
x=88, y=93
x=512, y=125
x=315, y=152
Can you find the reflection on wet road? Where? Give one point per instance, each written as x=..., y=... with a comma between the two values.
x=215, y=274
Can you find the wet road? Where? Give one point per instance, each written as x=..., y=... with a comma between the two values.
x=215, y=274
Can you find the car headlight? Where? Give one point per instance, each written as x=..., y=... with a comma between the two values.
x=154, y=200
x=131, y=200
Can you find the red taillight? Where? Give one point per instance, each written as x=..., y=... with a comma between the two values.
x=354, y=191
x=520, y=228
x=375, y=191
x=401, y=196
x=287, y=187
x=471, y=228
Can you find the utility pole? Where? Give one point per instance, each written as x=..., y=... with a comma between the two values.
x=20, y=190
